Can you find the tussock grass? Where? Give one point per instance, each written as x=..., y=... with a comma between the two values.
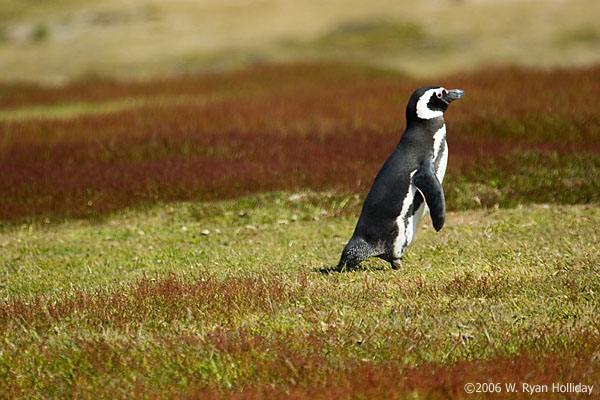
x=197, y=299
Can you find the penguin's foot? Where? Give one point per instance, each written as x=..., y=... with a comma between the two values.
x=396, y=264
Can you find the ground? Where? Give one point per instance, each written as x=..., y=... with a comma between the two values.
x=54, y=41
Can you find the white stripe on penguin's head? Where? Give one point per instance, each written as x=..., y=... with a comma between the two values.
x=423, y=110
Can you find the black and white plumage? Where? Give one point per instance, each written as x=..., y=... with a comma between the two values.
x=408, y=184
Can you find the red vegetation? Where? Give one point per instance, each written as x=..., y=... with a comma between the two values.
x=432, y=381
x=270, y=128
x=309, y=363
x=162, y=299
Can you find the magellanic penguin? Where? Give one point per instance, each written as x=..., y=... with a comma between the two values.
x=394, y=206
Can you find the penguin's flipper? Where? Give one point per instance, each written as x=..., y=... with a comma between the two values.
x=429, y=186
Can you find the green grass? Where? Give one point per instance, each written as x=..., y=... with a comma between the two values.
x=231, y=295
x=157, y=240
x=526, y=177
x=74, y=109
x=375, y=37
x=68, y=110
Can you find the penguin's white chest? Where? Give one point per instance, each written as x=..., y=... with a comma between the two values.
x=440, y=153
x=407, y=221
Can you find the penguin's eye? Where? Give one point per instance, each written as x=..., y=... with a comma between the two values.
x=439, y=95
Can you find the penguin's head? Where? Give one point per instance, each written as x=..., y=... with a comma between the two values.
x=430, y=102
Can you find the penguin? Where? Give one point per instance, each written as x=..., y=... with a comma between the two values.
x=407, y=185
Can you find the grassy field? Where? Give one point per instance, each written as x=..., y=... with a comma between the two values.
x=54, y=41
x=172, y=238
x=193, y=299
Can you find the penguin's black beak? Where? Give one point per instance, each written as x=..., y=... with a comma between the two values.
x=453, y=94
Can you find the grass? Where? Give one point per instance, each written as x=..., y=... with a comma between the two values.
x=526, y=177
x=171, y=238
x=375, y=37
x=194, y=297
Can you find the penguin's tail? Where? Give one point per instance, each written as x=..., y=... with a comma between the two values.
x=355, y=252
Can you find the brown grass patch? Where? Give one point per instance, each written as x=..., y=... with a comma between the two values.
x=433, y=381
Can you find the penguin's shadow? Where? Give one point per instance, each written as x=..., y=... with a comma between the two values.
x=358, y=268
